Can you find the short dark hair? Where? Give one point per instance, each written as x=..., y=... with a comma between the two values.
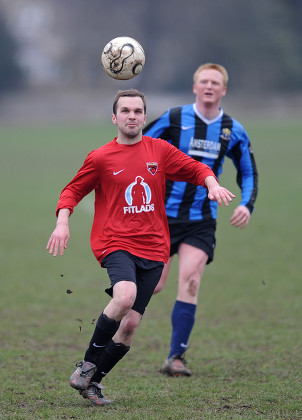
x=128, y=93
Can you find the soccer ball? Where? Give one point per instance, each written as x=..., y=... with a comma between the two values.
x=123, y=58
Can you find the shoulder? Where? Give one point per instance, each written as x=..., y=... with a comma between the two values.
x=238, y=131
x=236, y=124
x=158, y=144
x=103, y=149
x=148, y=140
x=176, y=111
x=99, y=154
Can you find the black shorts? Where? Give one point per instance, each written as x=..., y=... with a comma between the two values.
x=200, y=234
x=123, y=266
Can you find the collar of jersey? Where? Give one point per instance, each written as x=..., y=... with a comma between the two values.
x=203, y=118
x=126, y=145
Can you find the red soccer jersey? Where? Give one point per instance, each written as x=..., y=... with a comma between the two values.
x=129, y=184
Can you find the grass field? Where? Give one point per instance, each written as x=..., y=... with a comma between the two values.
x=245, y=349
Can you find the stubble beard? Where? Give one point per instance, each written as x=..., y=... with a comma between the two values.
x=131, y=134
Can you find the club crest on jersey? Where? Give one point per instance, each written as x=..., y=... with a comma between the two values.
x=225, y=134
x=152, y=167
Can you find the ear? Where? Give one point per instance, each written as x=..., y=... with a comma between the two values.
x=114, y=119
x=145, y=119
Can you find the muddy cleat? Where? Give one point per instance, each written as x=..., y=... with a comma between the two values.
x=94, y=394
x=175, y=366
x=80, y=378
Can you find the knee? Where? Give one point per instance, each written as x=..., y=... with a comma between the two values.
x=125, y=303
x=129, y=326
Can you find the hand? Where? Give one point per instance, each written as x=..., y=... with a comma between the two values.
x=58, y=240
x=220, y=194
x=240, y=217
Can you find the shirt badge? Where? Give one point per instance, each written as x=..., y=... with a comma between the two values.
x=225, y=134
x=152, y=167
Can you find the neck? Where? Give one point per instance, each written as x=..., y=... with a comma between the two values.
x=128, y=140
x=209, y=111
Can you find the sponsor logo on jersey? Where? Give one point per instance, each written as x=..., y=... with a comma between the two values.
x=225, y=134
x=204, y=148
x=138, y=197
x=152, y=167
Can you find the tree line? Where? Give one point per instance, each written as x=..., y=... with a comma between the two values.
x=258, y=42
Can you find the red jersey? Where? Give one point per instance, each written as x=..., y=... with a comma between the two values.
x=129, y=184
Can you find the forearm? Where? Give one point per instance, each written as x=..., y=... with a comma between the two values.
x=63, y=217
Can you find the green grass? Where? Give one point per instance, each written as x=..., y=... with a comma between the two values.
x=245, y=349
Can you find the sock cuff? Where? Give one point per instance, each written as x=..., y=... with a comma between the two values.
x=108, y=325
x=185, y=305
x=117, y=350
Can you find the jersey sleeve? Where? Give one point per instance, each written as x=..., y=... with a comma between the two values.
x=181, y=167
x=247, y=175
x=82, y=184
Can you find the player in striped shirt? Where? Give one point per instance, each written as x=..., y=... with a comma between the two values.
x=203, y=131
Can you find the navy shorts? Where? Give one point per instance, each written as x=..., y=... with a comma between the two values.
x=123, y=266
x=200, y=234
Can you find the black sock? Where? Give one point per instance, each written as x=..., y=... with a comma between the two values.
x=104, y=331
x=112, y=354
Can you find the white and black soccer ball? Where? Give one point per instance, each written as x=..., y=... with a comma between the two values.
x=123, y=58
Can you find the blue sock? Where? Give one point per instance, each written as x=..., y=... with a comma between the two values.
x=182, y=319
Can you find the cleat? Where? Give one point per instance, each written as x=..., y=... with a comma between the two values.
x=175, y=366
x=81, y=377
x=94, y=394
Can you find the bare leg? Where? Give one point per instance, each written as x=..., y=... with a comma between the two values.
x=164, y=276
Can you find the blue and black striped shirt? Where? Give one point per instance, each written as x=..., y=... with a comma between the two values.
x=207, y=141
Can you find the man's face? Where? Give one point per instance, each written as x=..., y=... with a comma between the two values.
x=209, y=87
x=130, y=116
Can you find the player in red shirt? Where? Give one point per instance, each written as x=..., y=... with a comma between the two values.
x=130, y=235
